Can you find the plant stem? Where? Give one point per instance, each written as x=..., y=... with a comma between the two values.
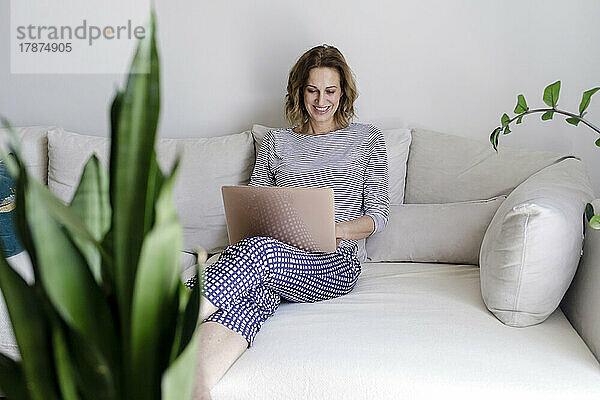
x=589, y=124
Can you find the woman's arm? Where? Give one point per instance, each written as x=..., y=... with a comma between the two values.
x=262, y=175
x=355, y=229
x=376, y=195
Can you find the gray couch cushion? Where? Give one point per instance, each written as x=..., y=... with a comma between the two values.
x=34, y=147
x=531, y=249
x=449, y=233
x=446, y=168
x=206, y=165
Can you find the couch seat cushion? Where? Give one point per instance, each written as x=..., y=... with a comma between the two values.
x=410, y=330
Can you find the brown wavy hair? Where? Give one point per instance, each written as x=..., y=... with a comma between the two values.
x=317, y=57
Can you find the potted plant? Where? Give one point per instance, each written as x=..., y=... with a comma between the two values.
x=108, y=316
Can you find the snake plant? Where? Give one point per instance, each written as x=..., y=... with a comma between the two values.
x=107, y=316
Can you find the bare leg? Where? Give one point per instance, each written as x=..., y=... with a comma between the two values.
x=218, y=349
x=206, y=309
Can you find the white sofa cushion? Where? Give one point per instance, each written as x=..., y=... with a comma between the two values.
x=446, y=168
x=410, y=331
x=206, y=165
x=531, y=249
x=34, y=148
x=448, y=233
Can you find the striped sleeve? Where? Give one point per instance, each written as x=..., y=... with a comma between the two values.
x=376, y=185
x=262, y=175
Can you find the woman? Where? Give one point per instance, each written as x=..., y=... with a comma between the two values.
x=244, y=287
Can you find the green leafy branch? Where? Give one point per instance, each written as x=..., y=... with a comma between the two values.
x=551, y=93
x=551, y=99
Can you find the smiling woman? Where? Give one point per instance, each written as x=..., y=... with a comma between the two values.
x=244, y=287
x=321, y=92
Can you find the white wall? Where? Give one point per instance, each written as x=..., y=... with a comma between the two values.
x=451, y=66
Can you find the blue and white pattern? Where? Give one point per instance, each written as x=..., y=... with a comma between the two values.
x=251, y=277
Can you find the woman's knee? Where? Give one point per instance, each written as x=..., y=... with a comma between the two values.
x=257, y=244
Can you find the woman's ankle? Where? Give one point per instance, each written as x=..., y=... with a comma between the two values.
x=201, y=393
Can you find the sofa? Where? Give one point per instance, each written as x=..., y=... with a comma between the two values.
x=483, y=284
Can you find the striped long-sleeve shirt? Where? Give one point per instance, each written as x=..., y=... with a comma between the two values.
x=351, y=161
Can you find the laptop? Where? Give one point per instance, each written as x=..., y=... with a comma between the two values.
x=301, y=217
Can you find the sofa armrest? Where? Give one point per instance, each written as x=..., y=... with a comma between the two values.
x=581, y=303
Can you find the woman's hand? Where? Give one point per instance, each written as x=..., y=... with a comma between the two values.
x=355, y=229
x=338, y=233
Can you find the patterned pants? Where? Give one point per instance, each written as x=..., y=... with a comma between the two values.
x=250, y=278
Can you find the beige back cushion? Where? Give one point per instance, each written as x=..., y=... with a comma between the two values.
x=447, y=233
x=446, y=168
x=34, y=148
x=206, y=165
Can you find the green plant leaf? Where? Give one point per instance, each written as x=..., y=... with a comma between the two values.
x=64, y=370
x=62, y=213
x=551, y=94
x=506, y=130
x=12, y=381
x=66, y=277
x=504, y=120
x=547, y=115
x=585, y=100
x=155, y=295
x=521, y=105
x=187, y=321
x=573, y=121
x=93, y=375
x=135, y=116
x=595, y=222
x=589, y=211
x=31, y=331
x=190, y=316
x=598, y=142
x=92, y=202
x=494, y=138
x=178, y=379
x=519, y=120
x=155, y=182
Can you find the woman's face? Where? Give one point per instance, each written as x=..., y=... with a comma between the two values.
x=322, y=94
